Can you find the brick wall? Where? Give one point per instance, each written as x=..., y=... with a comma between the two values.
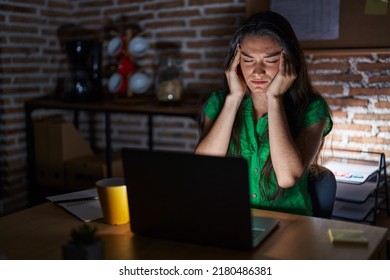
x=29, y=63
x=356, y=84
x=357, y=87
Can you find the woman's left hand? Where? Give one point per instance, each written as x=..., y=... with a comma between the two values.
x=283, y=79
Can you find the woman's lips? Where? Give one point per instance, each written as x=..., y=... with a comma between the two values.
x=259, y=82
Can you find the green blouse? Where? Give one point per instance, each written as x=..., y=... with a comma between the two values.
x=255, y=149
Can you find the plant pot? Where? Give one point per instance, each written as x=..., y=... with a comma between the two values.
x=73, y=251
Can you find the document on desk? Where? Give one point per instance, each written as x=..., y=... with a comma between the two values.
x=347, y=235
x=351, y=173
x=85, y=204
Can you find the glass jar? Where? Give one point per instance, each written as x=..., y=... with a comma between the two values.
x=168, y=82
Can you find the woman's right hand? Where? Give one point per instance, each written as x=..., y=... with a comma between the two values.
x=236, y=82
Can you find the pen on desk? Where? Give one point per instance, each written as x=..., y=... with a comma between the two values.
x=77, y=199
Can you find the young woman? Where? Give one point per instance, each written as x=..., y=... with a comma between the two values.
x=269, y=113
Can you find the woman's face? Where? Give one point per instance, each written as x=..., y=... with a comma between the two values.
x=259, y=61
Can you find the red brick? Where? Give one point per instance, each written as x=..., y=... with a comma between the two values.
x=19, y=29
x=379, y=79
x=179, y=14
x=31, y=80
x=188, y=75
x=204, y=87
x=162, y=5
x=126, y=2
x=225, y=10
x=176, y=34
x=127, y=10
x=211, y=76
x=383, y=105
x=333, y=137
x=372, y=116
x=351, y=126
x=164, y=24
x=384, y=55
x=339, y=54
x=38, y=3
x=95, y=4
x=329, y=89
x=88, y=13
x=209, y=44
x=50, y=13
x=205, y=65
x=342, y=66
x=26, y=19
x=11, y=8
x=373, y=66
x=337, y=77
x=27, y=40
x=347, y=102
x=370, y=140
x=190, y=55
x=218, y=32
x=20, y=70
x=21, y=89
x=339, y=114
x=369, y=91
x=60, y=4
x=214, y=54
x=206, y=2
x=224, y=21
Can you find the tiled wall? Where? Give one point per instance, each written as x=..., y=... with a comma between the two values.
x=356, y=84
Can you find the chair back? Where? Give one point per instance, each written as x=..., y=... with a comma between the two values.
x=322, y=189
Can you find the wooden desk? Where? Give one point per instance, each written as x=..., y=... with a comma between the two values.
x=39, y=232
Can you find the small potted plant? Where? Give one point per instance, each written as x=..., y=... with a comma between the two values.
x=84, y=245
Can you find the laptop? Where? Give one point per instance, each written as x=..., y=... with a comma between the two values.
x=192, y=198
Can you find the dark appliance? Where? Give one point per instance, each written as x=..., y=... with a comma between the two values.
x=84, y=82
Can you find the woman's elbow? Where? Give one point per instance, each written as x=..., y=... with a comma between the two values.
x=288, y=181
x=208, y=151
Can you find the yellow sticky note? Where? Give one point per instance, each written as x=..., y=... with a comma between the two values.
x=347, y=235
x=376, y=7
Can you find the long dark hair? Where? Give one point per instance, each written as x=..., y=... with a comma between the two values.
x=298, y=96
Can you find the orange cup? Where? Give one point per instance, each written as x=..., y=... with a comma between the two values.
x=113, y=200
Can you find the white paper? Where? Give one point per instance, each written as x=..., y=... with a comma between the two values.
x=311, y=19
x=351, y=173
x=87, y=211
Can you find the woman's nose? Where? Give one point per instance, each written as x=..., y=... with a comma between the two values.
x=259, y=68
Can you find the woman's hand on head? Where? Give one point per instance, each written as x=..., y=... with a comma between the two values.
x=283, y=79
x=237, y=85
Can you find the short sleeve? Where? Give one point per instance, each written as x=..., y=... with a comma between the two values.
x=317, y=111
x=214, y=105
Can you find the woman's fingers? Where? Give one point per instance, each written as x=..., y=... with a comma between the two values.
x=282, y=63
x=284, y=78
x=234, y=79
x=286, y=68
x=236, y=60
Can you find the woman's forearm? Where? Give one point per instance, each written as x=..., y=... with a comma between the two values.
x=216, y=142
x=285, y=155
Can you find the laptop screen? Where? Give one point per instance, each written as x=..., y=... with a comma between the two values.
x=188, y=197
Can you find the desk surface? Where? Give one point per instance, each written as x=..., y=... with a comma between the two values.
x=39, y=232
